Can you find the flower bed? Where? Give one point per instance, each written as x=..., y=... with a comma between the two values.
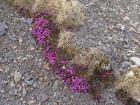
x=61, y=66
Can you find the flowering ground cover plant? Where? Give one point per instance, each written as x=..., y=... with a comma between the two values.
x=69, y=74
x=53, y=21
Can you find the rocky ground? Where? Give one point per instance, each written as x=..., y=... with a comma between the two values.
x=112, y=25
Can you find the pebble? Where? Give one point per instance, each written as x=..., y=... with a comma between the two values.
x=136, y=60
x=17, y=76
x=126, y=19
x=47, y=66
x=29, y=81
x=32, y=102
x=3, y=29
x=12, y=84
x=44, y=98
x=24, y=92
x=33, y=41
x=125, y=64
x=7, y=69
x=29, y=21
x=15, y=92
x=120, y=26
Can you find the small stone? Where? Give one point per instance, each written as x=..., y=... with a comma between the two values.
x=32, y=48
x=24, y=92
x=45, y=78
x=15, y=91
x=20, y=40
x=31, y=102
x=35, y=85
x=63, y=67
x=120, y=26
x=7, y=69
x=21, y=99
x=29, y=21
x=134, y=24
x=3, y=29
x=47, y=66
x=126, y=18
x=136, y=60
x=1, y=70
x=29, y=81
x=41, y=78
x=33, y=41
x=17, y=76
x=125, y=64
x=12, y=84
x=44, y=98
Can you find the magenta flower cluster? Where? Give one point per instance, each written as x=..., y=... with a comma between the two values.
x=68, y=73
x=40, y=31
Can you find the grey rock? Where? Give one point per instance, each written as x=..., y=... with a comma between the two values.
x=29, y=81
x=33, y=41
x=3, y=29
x=29, y=21
x=125, y=64
x=44, y=98
x=17, y=76
x=13, y=92
x=136, y=60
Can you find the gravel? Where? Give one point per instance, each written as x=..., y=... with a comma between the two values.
x=111, y=25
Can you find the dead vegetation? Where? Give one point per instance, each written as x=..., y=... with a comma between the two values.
x=93, y=58
x=67, y=13
x=65, y=42
x=130, y=82
x=27, y=4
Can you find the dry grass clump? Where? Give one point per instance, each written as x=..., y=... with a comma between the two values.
x=27, y=4
x=130, y=82
x=65, y=42
x=64, y=38
x=93, y=58
x=67, y=13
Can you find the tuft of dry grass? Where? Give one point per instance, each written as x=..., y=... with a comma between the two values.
x=27, y=4
x=67, y=13
x=130, y=82
x=65, y=42
x=93, y=58
x=64, y=38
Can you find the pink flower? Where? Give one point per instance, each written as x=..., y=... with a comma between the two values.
x=79, y=85
x=46, y=32
x=52, y=57
x=41, y=40
x=37, y=31
x=71, y=70
x=41, y=22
